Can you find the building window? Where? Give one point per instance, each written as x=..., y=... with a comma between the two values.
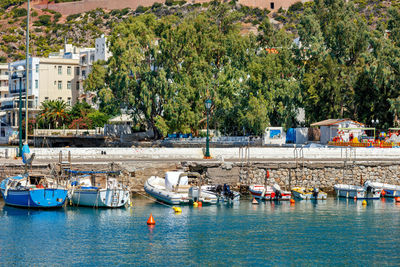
x=69, y=101
x=272, y=5
x=60, y=98
x=84, y=74
x=77, y=70
x=46, y=98
x=60, y=70
x=77, y=86
x=36, y=84
x=59, y=85
x=69, y=70
x=37, y=68
x=69, y=85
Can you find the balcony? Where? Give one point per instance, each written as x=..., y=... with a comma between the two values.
x=14, y=104
x=16, y=91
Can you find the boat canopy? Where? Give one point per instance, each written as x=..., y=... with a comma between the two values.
x=171, y=179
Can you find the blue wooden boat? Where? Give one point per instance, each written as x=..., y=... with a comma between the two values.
x=21, y=191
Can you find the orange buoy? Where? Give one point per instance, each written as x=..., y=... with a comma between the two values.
x=383, y=193
x=355, y=197
x=200, y=204
x=292, y=201
x=151, y=220
x=397, y=199
x=254, y=201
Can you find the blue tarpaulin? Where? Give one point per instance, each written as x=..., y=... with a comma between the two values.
x=25, y=153
x=291, y=136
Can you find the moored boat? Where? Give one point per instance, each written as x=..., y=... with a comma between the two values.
x=308, y=193
x=390, y=190
x=32, y=192
x=174, y=189
x=223, y=193
x=354, y=191
x=84, y=192
x=274, y=192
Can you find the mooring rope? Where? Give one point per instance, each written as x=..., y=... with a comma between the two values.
x=162, y=203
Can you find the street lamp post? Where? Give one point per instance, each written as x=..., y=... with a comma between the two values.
x=374, y=124
x=208, y=107
x=18, y=74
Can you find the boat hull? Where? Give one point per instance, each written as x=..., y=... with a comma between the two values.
x=302, y=194
x=389, y=189
x=102, y=198
x=41, y=198
x=172, y=198
x=356, y=193
x=267, y=194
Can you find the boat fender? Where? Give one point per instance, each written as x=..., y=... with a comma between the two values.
x=272, y=195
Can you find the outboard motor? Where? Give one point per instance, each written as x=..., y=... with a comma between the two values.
x=219, y=189
x=315, y=192
x=278, y=193
x=227, y=189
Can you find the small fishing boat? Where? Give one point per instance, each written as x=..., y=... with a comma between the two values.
x=360, y=192
x=308, y=193
x=223, y=193
x=174, y=189
x=274, y=192
x=84, y=192
x=32, y=192
x=389, y=190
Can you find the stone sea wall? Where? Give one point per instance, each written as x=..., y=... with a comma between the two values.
x=287, y=175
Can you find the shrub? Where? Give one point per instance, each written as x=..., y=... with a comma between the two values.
x=296, y=7
x=156, y=5
x=44, y=20
x=56, y=17
x=169, y=2
x=141, y=9
x=19, y=12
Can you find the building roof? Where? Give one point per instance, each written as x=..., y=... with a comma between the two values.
x=330, y=122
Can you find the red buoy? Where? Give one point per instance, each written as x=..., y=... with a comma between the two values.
x=383, y=193
x=151, y=220
x=397, y=199
x=292, y=201
x=272, y=195
x=200, y=204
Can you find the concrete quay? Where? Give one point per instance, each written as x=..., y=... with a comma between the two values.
x=288, y=167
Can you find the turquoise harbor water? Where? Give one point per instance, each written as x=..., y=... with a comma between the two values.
x=334, y=232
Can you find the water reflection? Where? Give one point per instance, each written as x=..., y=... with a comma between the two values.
x=334, y=232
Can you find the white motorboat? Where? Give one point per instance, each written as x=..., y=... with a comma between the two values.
x=174, y=189
x=390, y=190
x=274, y=192
x=84, y=192
x=308, y=193
x=358, y=192
x=223, y=193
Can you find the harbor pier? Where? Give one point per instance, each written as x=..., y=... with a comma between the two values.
x=238, y=167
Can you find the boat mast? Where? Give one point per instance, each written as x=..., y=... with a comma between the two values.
x=27, y=74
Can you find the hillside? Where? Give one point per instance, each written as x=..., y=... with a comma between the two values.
x=49, y=28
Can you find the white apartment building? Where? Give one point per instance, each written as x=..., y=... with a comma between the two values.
x=3, y=80
x=49, y=79
x=87, y=57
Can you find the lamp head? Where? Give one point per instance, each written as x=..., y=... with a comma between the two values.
x=208, y=104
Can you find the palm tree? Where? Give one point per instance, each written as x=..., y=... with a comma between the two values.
x=53, y=112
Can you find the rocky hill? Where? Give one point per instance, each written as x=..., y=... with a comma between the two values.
x=50, y=29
